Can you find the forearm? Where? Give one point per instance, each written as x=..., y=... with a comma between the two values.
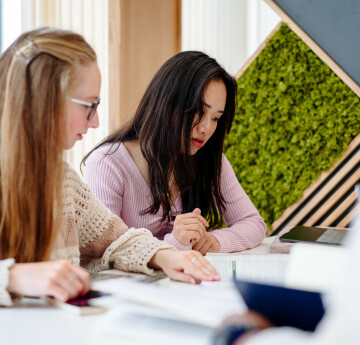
x=240, y=236
x=135, y=250
x=158, y=258
x=246, y=228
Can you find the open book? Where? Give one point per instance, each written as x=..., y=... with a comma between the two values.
x=158, y=314
x=173, y=313
x=195, y=303
x=269, y=268
x=308, y=266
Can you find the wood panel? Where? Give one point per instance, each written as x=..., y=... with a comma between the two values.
x=143, y=35
x=329, y=201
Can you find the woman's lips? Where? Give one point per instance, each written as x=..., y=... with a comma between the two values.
x=197, y=142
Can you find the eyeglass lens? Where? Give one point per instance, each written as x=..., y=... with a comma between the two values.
x=93, y=109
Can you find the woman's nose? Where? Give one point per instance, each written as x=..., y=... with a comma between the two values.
x=94, y=122
x=204, y=125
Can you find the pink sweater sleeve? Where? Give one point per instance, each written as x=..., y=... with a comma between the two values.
x=171, y=239
x=246, y=227
x=103, y=175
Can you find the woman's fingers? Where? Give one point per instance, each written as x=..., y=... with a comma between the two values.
x=182, y=265
x=72, y=287
x=197, y=211
x=190, y=237
x=187, y=222
x=72, y=279
x=187, y=234
x=84, y=278
x=183, y=277
x=59, y=279
x=207, y=243
x=199, y=244
x=203, y=247
x=200, y=267
x=193, y=215
x=194, y=227
x=58, y=292
x=193, y=221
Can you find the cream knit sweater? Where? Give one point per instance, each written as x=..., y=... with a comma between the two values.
x=93, y=237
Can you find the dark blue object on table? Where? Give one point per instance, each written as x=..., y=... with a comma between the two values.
x=283, y=306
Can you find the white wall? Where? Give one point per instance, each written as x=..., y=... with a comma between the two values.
x=10, y=22
x=87, y=17
x=228, y=30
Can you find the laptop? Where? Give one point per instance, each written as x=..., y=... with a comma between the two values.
x=283, y=306
x=315, y=235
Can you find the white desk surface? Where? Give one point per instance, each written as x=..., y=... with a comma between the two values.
x=35, y=323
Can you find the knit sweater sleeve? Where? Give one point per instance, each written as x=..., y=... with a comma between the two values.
x=5, y=297
x=104, y=239
x=246, y=228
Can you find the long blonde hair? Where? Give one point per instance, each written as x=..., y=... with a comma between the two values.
x=36, y=76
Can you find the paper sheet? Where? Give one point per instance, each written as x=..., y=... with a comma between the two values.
x=269, y=268
x=193, y=303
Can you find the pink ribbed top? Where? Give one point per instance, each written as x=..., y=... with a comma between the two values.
x=118, y=184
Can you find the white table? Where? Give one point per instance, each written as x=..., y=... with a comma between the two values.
x=33, y=322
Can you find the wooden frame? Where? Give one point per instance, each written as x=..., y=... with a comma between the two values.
x=315, y=48
x=257, y=52
x=330, y=200
x=114, y=59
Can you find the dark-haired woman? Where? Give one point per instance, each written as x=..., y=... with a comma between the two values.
x=165, y=169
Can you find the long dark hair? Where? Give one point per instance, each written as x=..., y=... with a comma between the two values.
x=163, y=122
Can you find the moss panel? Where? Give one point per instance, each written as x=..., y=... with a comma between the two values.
x=294, y=119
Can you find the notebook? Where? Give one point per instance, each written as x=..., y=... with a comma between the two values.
x=315, y=235
x=283, y=306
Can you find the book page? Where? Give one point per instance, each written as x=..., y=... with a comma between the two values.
x=267, y=268
x=193, y=303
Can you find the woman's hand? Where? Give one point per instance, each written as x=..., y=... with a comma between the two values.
x=175, y=263
x=190, y=227
x=207, y=243
x=256, y=322
x=59, y=279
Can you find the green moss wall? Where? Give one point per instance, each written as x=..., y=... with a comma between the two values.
x=294, y=119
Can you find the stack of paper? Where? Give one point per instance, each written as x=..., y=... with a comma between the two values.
x=153, y=314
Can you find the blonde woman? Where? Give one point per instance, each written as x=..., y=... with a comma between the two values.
x=50, y=221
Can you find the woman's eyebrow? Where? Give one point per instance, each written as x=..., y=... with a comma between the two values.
x=210, y=107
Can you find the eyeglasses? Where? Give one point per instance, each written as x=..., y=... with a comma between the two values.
x=93, y=106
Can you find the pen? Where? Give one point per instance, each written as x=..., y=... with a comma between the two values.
x=233, y=263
